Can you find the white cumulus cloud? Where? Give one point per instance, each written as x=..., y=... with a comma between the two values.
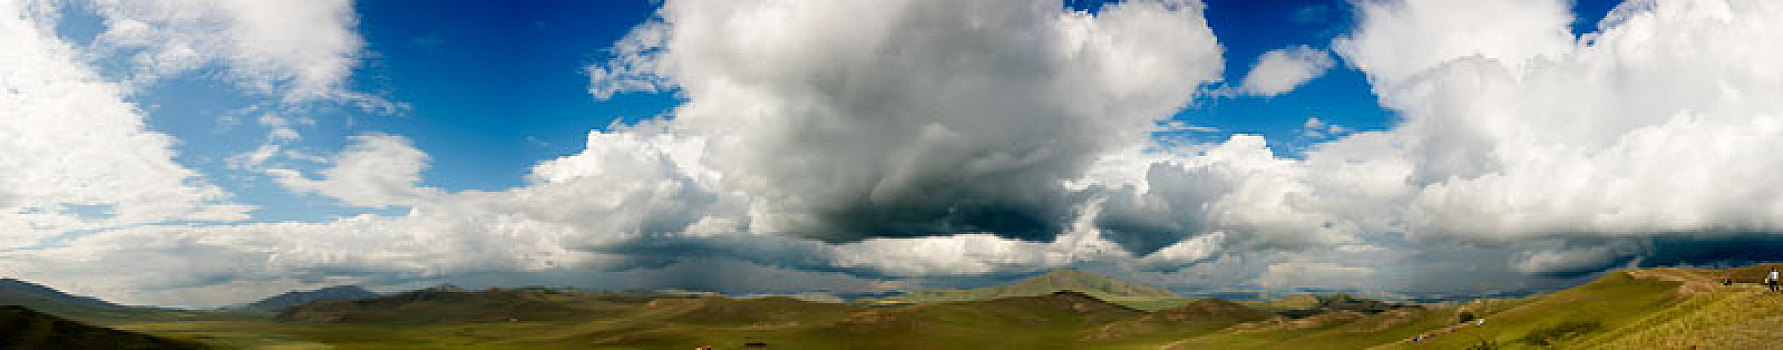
x=1514, y=132
x=1280, y=71
x=374, y=170
x=69, y=138
x=299, y=49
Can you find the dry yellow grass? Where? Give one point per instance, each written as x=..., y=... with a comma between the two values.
x=1737, y=317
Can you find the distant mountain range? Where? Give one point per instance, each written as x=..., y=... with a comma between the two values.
x=292, y=298
x=1101, y=287
x=449, y=303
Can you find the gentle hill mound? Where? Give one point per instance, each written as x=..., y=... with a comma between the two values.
x=1344, y=303
x=1291, y=302
x=1200, y=316
x=443, y=304
x=1206, y=309
x=1058, y=308
x=1053, y=320
x=23, y=328
x=1101, y=287
x=769, y=310
x=292, y=298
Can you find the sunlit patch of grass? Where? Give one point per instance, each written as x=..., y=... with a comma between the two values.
x=1738, y=317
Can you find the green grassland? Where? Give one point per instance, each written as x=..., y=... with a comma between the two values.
x=1655, y=308
x=1132, y=295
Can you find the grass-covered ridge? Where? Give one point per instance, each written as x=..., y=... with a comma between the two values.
x=1102, y=287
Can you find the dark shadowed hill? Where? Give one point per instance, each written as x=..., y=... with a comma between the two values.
x=288, y=299
x=447, y=304
x=23, y=328
x=769, y=310
x=1101, y=287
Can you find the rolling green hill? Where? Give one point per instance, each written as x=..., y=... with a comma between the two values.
x=1101, y=287
x=444, y=304
x=1661, y=308
x=293, y=298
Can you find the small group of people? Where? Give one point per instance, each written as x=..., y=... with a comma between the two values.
x=1771, y=280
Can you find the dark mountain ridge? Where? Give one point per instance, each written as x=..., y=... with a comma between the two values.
x=1101, y=287
x=17, y=292
x=293, y=298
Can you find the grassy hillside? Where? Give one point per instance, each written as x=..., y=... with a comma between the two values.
x=1102, y=287
x=293, y=298
x=1658, y=308
x=447, y=304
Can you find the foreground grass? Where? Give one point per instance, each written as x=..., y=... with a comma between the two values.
x=1741, y=317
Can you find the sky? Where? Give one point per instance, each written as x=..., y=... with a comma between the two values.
x=203, y=153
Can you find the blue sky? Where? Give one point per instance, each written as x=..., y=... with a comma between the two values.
x=848, y=146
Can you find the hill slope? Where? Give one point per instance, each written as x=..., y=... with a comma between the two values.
x=17, y=292
x=1666, y=308
x=23, y=328
x=1098, y=286
x=444, y=304
x=49, y=300
x=292, y=298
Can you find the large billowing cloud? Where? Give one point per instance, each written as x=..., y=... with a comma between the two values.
x=855, y=119
x=74, y=154
x=1664, y=121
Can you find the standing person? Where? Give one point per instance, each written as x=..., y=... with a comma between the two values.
x=1771, y=280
